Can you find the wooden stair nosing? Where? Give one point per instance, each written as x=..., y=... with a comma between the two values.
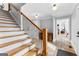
x=8, y=20
x=10, y=43
x=1, y=17
x=7, y=23
x=10, y=31
x=13, y=35
x=14, y=51
x=9, y=26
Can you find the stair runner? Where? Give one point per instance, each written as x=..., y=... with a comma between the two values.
x=13, y=41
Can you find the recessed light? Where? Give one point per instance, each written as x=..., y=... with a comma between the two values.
x=36, y=15
x=54, y=7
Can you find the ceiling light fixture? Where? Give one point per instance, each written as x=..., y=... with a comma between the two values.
x=55, y=7
x=36, y=15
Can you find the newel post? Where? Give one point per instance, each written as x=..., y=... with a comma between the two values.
x=44, y=42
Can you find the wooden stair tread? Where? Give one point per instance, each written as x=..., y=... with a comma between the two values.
x=9, y=27
x=6, y=17
x=9, y=22
x=14, y=51
x=10, y=31
x=13, y=35
x=31, y=52
x=10, y=43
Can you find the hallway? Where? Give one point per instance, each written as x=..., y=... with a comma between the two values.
x=63, y=44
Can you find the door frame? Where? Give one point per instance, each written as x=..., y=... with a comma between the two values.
x=54, y=26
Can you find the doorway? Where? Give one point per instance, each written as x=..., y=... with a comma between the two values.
x=62, y=34
x=63, y=27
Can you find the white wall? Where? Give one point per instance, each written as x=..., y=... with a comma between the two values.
x=63, y=22
x=43, y=20
x=15, y=13
x=47, y=23
x=6, y=6
x=74, y=29
x=16, y=16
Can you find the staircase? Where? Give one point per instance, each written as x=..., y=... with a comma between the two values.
x=13, y=41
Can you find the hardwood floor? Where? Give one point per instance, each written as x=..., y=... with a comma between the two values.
x=62, y=42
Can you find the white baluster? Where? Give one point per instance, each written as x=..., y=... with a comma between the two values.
x=21, y=22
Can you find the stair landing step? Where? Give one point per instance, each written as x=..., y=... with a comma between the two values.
x=32, y=52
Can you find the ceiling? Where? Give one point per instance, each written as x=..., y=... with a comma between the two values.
x=45, y=9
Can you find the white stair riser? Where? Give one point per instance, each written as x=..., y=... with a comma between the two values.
x=22, y=52
x=3, y=34
x=8, y=25
x=8, y=18
x=5, y=40
x=10, y=47
x=29, y=40
x=7, y=21
x=9, y=29
x=5, y=17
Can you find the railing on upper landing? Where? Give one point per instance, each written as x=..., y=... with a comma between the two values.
x=43, y=31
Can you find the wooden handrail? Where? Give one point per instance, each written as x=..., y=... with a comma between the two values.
x=25, y=17
x=32, y=22
x=44, y=31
